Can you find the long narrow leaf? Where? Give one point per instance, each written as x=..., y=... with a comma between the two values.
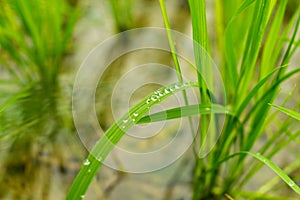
x=289, y=112
x=114, y=134
x=185, y=111
x=271, y=165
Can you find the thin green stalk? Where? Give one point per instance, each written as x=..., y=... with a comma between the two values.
x=200, y=36
x=175, y=60
x=263, y=10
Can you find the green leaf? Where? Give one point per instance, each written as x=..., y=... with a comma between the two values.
x=185, y=111
x=12, y=100
x=115, y=133
x=272, y=47
x=262, y=10
x=271, y=165
x=254, y=91
x=289, y=112
x=229, y=44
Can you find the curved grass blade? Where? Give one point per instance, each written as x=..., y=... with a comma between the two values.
x=271, y=165
x=289, y=112
x=111, y=137
x=12, y=100
x=270, y=91
x=229, y=43
x=263, y=10
x=185, y=111
x=288, y=169
x=254, y=91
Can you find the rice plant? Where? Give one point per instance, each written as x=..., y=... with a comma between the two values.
x=255, y=42
x=34, y=40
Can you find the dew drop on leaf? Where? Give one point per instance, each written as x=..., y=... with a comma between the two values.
x=291, y=183
x=86, y=162
x=154, y=98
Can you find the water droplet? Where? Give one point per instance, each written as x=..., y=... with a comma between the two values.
x=167, y=91
x=135, y=114
x=89, y=171
x=172, y=89
x=207, y=108
x=133, y=120
x=177, y=86
x=86, y=162
x=148, y=101
x=291, y=183
x=82, y=196
x=123, y=127
x=125, y=120
x=154, y=98
x=160, y=94
x=100, y=159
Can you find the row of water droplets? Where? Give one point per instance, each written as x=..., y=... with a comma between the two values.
x=127, y=120
x=87, y=163
x=156, y=96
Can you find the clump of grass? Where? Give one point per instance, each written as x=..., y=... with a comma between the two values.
x=245, y=32
x=255, y=45
x=34, y=40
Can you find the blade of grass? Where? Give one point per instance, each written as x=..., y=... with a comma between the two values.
x=229, y=44
x=277, y=146
x=272, y=89
x=289, y=112
x=269, y=57
x=289, y=50
x=200, y=36
x=114, y=134
x=170, y=38
x=259, y=112
x=185, y=111
x=288, y=169
x=263, y=10
x=261, y=196
x=255, y=90
x=175, y=57
x=279, y=172
x=241, y=108
x=12, y=100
